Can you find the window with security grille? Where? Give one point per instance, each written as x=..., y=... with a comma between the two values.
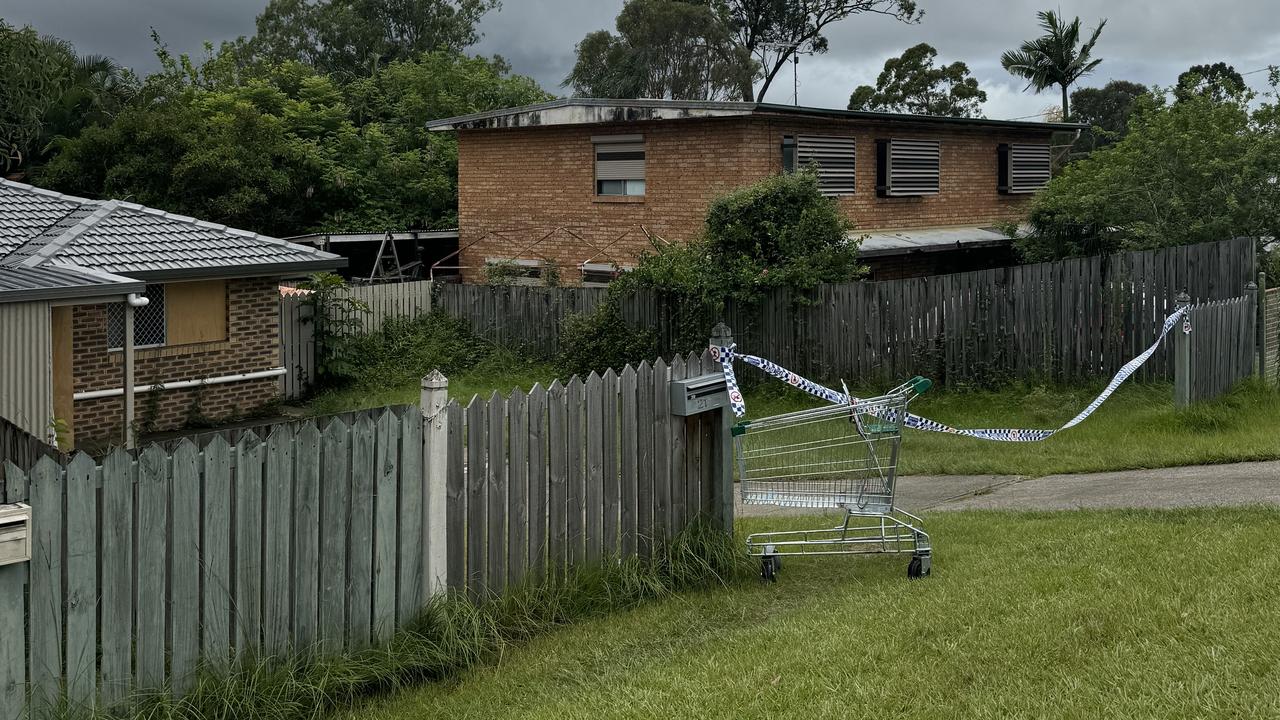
x=619, y=164
x=834, y=159
x=908, y=167
x=149, y=328
x=1024, y=168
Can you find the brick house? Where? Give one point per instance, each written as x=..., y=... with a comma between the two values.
x=587, y=183
x=202, y=299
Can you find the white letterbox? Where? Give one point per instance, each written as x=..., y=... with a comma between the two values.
x=15, y=533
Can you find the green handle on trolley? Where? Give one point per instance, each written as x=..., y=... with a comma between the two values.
x=920, y=384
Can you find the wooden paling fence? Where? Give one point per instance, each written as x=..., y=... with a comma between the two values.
x=578, y=472
x=1220, y=348
x=297, y=329
x=1270, y=324
x=315, y=537
x=1070, y=319
x=21, y=448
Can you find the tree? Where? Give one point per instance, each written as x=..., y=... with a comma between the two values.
x=1106, y=110
x=289, y=150
x=911, y=84
x=663, y=49
x=773, y=31
x=1219, y=81
x=1055, y=58
x=1187, y=172
x=50, y=92
x=356, y=36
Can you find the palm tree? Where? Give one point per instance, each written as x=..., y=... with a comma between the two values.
x=1054, y=58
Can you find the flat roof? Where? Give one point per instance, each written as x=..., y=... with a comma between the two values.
x=883, y=243
x=318, y=239
x=584, y=111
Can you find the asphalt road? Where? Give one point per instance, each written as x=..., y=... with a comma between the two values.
x=1194, y=486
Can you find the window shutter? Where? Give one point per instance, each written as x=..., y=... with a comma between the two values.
x=1024, y=168
x=835, y=158
x=908, y=167
x=620, y=161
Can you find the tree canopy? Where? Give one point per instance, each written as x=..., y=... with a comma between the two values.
x=355, y=36
x=1191, y=171
x=1219, y=81
x=1056, y=58
x=1106, y=110
x=289, y=150
x=912, y=84
x=663, y=49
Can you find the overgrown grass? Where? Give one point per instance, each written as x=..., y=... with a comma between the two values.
x=1136, y=428
x=454, y=634
x=1067, y=615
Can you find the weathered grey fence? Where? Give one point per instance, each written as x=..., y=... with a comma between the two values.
x=1270, y=323
x=322, y=537
x=297, y=333
x=21, y=448
x=1069, y=319
x=1214, y=348
x=523, y=318
x=578, y=472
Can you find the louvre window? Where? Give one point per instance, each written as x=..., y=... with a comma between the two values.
x=619, y=164
x=149, y=327
x=834, y=158
x=1023, y=168
x=908, y=167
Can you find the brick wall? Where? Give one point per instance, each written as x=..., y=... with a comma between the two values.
x=1273, y=333
x=252, y=344
x=524, y=182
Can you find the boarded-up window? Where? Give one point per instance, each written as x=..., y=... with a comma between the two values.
x=197, y=311
x=833, y=157
x=619, y=164
x=1024, y=168
x=908, y=167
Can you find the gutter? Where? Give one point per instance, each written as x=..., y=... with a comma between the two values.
x=178, y=384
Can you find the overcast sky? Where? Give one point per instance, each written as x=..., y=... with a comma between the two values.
x=1149, y=41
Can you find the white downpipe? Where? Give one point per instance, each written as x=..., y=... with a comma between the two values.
x=177, y=384
x=137, y=300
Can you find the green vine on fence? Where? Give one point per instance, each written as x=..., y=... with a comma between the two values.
x=335, y=317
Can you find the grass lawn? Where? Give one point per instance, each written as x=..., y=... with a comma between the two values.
x=1137, y=428
x=1073, y=615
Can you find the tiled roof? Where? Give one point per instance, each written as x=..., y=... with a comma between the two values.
x=130, y=239
x=25, y=212
x=26, y=284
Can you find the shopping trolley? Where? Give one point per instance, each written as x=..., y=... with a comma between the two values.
x=838, y=456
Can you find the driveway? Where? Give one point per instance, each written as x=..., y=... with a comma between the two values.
x=1198, y=485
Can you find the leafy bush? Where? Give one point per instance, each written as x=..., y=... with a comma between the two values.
x=601, y=339
x=405, y=350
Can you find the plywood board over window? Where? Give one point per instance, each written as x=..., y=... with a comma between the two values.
x=196, y=312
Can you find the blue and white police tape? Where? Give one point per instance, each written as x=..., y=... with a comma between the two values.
x=726, y=356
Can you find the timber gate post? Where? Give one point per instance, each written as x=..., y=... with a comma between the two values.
x=433, y=400
x=1182, y=355
x=722, y=336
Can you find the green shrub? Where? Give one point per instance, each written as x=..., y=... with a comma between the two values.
x=404, y=350
x=601, y=339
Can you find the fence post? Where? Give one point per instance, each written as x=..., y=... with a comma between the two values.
x=433, y=400
x=1182, y=355
x=722, y=336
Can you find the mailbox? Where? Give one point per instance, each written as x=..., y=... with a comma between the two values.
x=699, y=394
x=15, y=533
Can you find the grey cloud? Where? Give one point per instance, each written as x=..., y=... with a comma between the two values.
x=1150, y=41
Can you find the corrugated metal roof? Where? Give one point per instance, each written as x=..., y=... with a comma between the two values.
x=880, y=243
x=20, y=284
x=578, y=111
x=43, y=229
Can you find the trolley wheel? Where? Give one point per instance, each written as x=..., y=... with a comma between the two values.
x=769, y=565
x=916, y=569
